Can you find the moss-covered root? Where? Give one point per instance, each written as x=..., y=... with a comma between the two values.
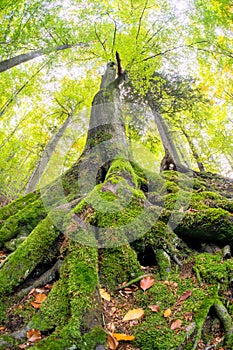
x=23, y=222
x=28, y=255
x=118, y=265
x=73, y=306
x=211, y=225
x=17, y=205
x=226, y=321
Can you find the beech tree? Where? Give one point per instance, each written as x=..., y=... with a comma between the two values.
x=81, y=243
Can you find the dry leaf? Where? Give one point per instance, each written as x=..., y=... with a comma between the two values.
x=33, y=335
x=40, y=297
x=134, y=314
x=112, y=342
x=176, y=324
x=2, y=328
x=35, y=305
x=23, y=346
x=154, y=308
x=185, y=295
x=167, y=313
x=146, y=283
x=104, y=294
x=120, y=336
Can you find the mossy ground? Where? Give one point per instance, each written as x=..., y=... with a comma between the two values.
x=70, y=317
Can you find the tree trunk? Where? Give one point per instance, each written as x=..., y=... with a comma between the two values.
x=46, y=156
x=193, y=149
x=15, y=61
x=163, y=131
x=99, y=231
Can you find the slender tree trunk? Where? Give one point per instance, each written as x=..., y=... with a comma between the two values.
x=164, y=132
x=15, y=61
x=194, y=151
x=46, y=156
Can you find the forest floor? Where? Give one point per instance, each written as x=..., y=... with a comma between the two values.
x=114, y=307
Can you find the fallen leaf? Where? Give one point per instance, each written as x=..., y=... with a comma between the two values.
x=33, y=335
x=121, y=336
x=146, y=283
x=134, y=314
x=23, y=346
x=104, y=294
x=112, y=342
x=154, y=308
x=176, y=324
x=167, y=313
x=35, y=305
x=185, y=296
x=2, y=328
x=40, y=297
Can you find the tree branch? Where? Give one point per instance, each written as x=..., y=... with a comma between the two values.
x=16, y=60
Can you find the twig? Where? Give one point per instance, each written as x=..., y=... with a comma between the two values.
x=135, y=280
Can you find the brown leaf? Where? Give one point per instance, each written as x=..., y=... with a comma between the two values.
x=154, y=308
x=33, y=335
x=104, y=294
x=121, y=336
x=134, y=314
x=146, y=283
x=176, y=324
x=35, y=305
x=167, y=313
x=185, y=296
x=112, y=342
x=40, y=297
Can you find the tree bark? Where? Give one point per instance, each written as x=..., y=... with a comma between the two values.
x=15, y=61
x=46, y=156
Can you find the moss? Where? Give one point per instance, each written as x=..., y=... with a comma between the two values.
x=169, y=187
x=212, y=268
x=118, y=265
x=17, y=205
x=28, y=255
x=70, y=299
x=55, y=310
x=210, y=225
x=123, y=168
x=98, y=137
x=23, y=222
x=154, y=332
x=177, y=200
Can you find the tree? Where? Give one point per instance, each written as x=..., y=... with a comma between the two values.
x=107, y=215
x=109, y=212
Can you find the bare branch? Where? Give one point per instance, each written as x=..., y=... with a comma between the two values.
x=15, y=61
x=100, y=41
x=140, y=19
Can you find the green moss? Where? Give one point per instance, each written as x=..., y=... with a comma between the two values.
x=154, y=331
x=177, y=200
x=122, y=168
x=17, y=205
x=210, y=225
x=23, y=222
x=118, y=265
x=169, y=187
x=99, y=136
x=29, y=254
x=55, y=310
x=212, y=268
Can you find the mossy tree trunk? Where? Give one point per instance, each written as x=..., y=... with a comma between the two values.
x=110, y=218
